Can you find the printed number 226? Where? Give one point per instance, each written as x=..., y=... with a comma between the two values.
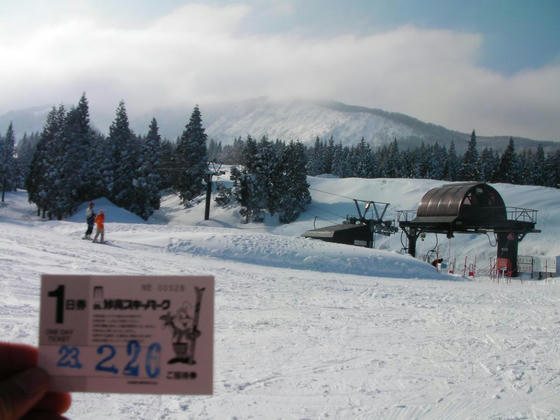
x=133, y=349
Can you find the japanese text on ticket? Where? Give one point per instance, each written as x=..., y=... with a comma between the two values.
x=128, y=334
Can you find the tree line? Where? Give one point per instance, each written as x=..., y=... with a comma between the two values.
x=69, y=162
x=526, y=167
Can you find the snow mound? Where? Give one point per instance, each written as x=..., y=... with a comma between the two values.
x=285, y=252
x=113, y=213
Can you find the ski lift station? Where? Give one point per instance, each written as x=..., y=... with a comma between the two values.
x=359, y=230
x=471, y=207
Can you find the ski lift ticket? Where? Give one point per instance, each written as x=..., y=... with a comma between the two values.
x=127, y=334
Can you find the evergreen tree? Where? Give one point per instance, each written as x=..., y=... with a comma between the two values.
x=232, y=154
x=451, y=169
x=273, y=179
x=122, y=170
x=147, y=181
x=25, y=150
x=341, y=164
x=192, y=159
x=249, y=154
x=267, y=171
x=7, y=162
x=75, y=181
x=167, y=170
x=246, y=193
x=393, y=166
x=408, y=163
x=470, y=166
x=43, y=179
x=508, y=169
x=214, y=151
x=328, y=156
x=552, y=169
x=59, y=200
x=316, y=163
x=79, y=170
x=103, y=166
x=363, y=160
x=422, y=161
x=487, y=165
x=539, y=177
x=437, y=154
x=526, y=165
x=293, y=183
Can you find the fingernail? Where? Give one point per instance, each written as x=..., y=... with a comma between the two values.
x=32, y=381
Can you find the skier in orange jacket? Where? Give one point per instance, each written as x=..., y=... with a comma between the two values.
x=99, y=221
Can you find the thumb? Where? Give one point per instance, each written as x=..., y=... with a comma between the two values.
x=20, y=392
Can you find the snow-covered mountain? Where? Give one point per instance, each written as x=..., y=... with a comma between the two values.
x=308, y=329
x=285, y=120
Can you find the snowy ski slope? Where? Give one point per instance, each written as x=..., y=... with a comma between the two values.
x=307, y=329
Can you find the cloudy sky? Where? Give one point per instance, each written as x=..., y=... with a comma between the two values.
x=492, y=65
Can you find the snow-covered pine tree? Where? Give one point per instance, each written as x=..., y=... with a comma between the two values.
x=470, y=166
x=41, y=183
x=59, y=191
x=214, y=151
x=422, y=159
x=192, y=160
x=341, y=164
x=488, y=164
x=328, y=156
x=124, y=149
x=363, y=160
x=508, y=169
x=437, y=154
x=394, y=161
x=76, y=178
x=80, y=140
x=539, y=166
x=36, y=178
x=24, y=151
x=102, y=166
x=526, y=162
x=293, y=184
x=316, y=162
x=249, y=154
x=167, y=164
x=147, y=181
x=451, y=171
x=7, y=162
x=552, y=169
x=268, y=174
x=236, y=151
x=245, y=192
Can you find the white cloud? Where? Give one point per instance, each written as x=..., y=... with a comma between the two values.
x=198, y=54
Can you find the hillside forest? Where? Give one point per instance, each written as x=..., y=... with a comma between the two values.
x=69, y=162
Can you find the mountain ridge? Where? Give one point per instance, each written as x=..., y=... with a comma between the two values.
x=288, y=120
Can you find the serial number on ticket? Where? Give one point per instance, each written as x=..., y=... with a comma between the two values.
x=127, y=334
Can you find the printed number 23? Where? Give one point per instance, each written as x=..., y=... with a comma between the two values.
x=70, y=357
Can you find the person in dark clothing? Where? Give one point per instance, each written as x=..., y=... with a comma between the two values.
x=90, y=218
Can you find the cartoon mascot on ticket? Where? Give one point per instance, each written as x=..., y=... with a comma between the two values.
x=184, y=324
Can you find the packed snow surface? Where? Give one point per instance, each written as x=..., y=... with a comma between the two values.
x=307, y=329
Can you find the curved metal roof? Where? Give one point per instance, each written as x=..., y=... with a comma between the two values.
x=470, y=200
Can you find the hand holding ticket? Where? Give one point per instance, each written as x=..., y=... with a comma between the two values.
x=129, y=334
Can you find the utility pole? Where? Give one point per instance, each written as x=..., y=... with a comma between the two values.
x=215, y=171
